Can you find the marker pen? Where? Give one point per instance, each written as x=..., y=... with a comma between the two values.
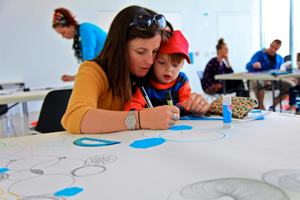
x=227, y=114
x=169, y=98
x=148, y=102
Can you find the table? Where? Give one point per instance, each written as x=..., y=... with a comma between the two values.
x=35, y=94
x=258, y=76
x=252, y=160
x=21, y=84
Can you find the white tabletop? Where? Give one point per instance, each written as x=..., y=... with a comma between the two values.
x=257, y=76
x=35, y=94
x=12, y=83
x=252, y=160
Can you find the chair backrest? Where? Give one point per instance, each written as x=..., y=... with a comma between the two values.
x=287, y=58
x=3, y=107
x=200, y=75
x=53, y=109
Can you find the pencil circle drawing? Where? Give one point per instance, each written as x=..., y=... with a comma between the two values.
x=22, y=175
x=26, y=163
x=39, y=197
x=288, y=179
x=88, y=170
x=58, y=165
x=4, y=162
x=33, y=177
x=42, y=185
x=150, y=134
x=237, y=188
x=194, y=135
x=3, y=176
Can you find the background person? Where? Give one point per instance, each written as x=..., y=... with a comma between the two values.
x=267, y=59
x=88, y=39
x=218, y=66
x=102, y=86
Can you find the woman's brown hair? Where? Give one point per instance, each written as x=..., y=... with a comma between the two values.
x=70, y=20
x=114, y=57
x=220, y=44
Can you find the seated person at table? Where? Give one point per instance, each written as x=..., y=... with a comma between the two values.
x=218, y=66
x=165, y=75
x=292, y=97
x=288, y=64
x=267, y=59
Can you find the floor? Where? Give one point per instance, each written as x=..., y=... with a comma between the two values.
x=33, y=116
x=18, y=122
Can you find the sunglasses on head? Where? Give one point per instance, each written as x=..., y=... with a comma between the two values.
x=144, y=21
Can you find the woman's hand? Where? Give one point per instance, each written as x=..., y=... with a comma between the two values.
x=217, y=86
x=196, y=104
x=67, y=78
x=160, y=117
x=227, y=61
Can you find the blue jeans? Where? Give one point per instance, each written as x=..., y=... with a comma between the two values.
x=293, y=95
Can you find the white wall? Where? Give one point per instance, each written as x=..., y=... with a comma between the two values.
x=31, y=51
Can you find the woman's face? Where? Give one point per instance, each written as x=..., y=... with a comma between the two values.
x=66, y=32
x=223, y=52
x=141, y=53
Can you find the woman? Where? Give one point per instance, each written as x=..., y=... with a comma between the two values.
x=104, y=85
x=218, y=66
x=88, y=39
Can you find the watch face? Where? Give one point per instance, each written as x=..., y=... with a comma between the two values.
x=131, y=121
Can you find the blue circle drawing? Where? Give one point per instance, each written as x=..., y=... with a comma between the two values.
x=221, y=137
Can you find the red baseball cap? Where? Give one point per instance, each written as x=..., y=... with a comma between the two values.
x=176, y=44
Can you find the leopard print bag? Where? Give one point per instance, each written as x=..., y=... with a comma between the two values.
x=241, y=106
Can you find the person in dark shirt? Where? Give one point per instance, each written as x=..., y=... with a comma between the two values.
x=221, y=65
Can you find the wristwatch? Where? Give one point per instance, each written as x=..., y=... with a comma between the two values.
x=130, y=121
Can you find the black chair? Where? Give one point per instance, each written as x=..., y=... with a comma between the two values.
x=3, y=115
x=53, y=109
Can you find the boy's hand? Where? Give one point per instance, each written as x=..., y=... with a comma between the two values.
x=196, y=104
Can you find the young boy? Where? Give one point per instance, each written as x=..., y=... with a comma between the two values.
x=167, y=76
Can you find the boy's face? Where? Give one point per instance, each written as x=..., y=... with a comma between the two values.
x=164, y=69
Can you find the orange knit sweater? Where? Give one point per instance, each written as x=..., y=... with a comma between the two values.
x=91, y=90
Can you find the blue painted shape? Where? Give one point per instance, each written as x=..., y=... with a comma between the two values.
x=69, y=192
x=180, y=128
x=101, y=143
x=2, y=170
x=191, y=55
x=261, y=118
x=255, y=111
x=147, y=143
